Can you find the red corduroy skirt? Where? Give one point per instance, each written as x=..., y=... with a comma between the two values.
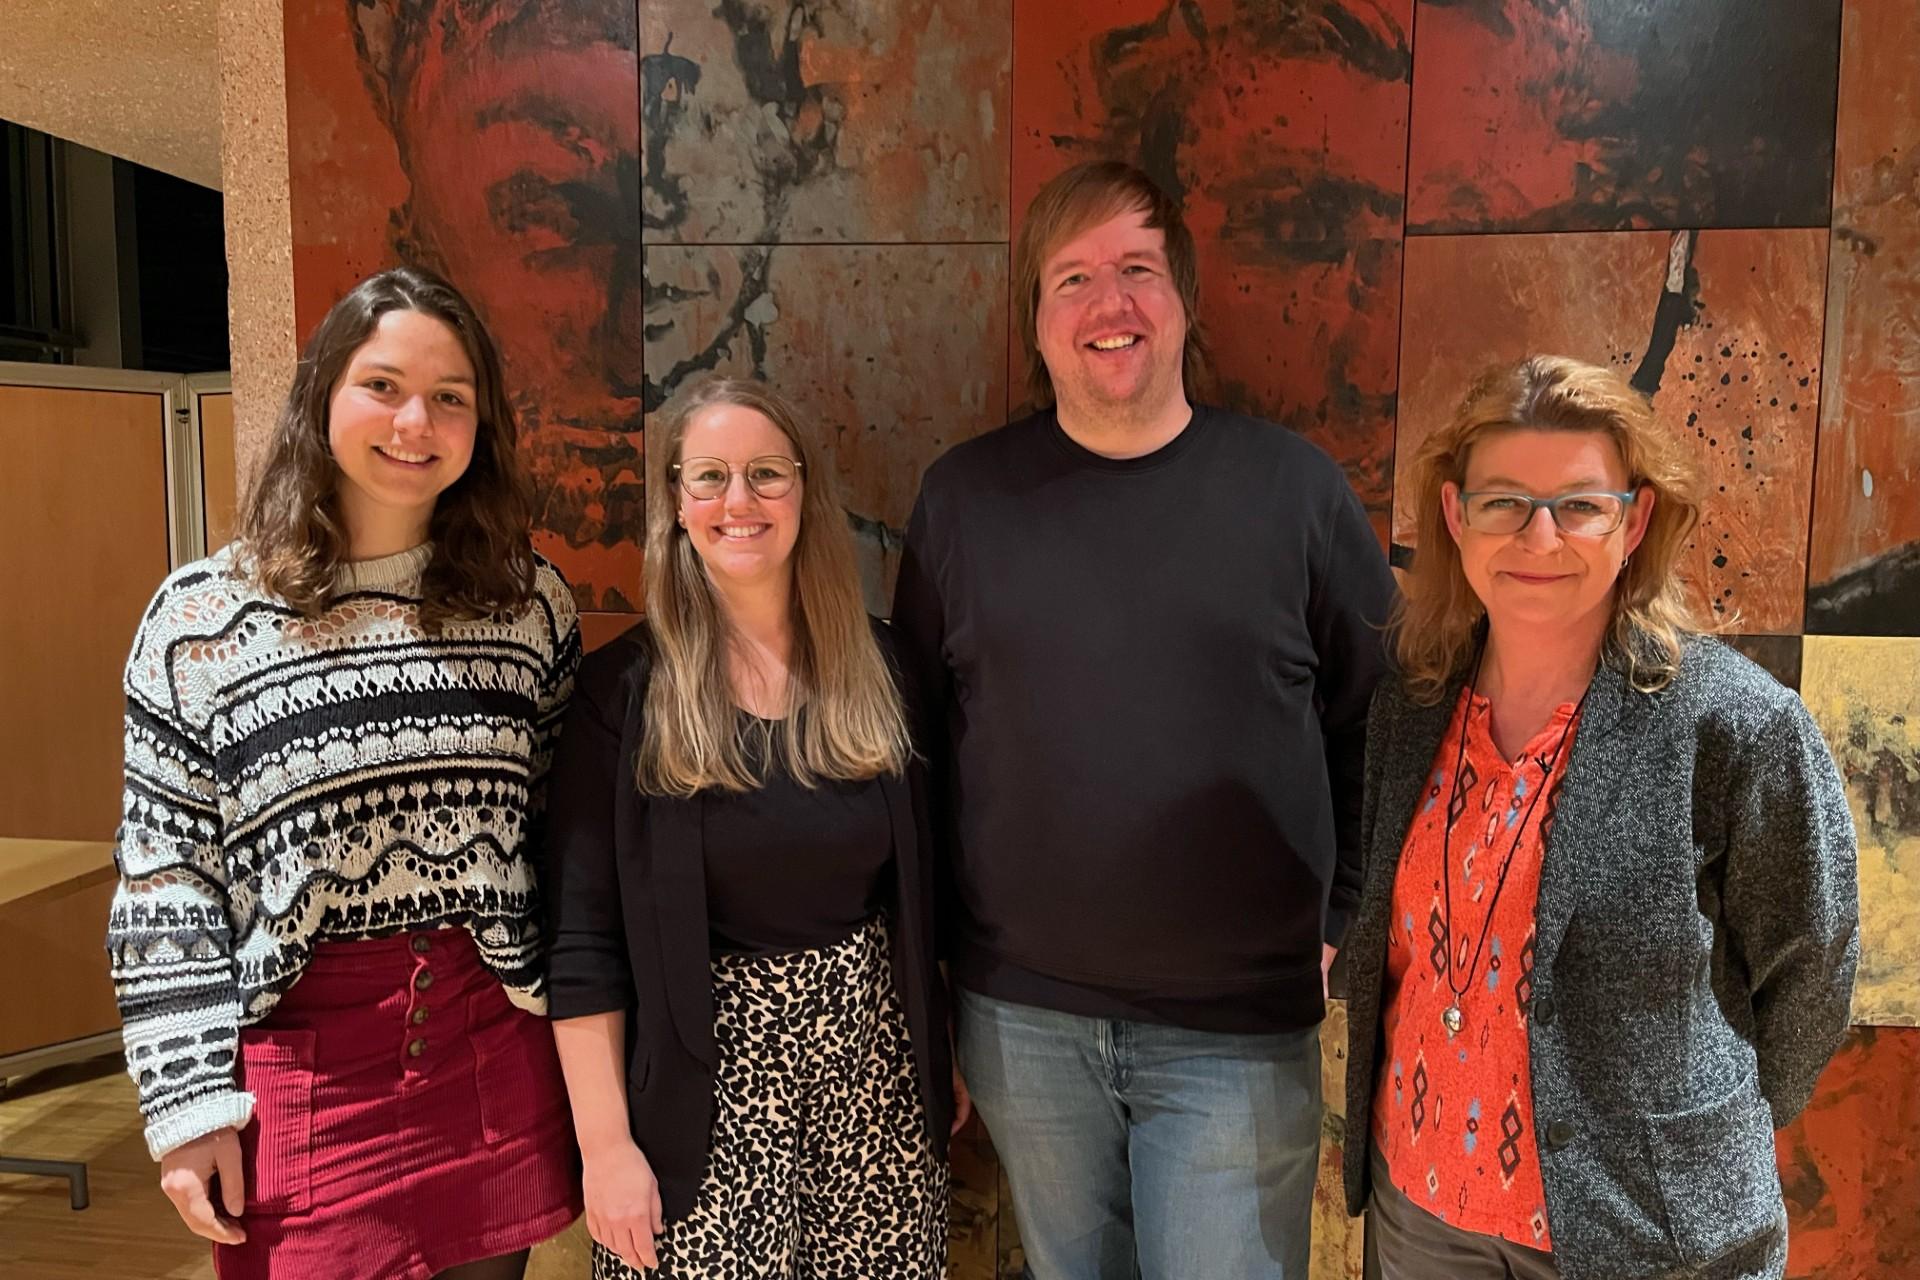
x=409, y=1118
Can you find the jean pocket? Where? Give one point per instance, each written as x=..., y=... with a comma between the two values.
x=276, y=1149
x=1716, y=1170
x=515, y=1069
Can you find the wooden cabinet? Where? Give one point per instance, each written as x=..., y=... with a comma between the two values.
x=83, y=543
x=54, y=896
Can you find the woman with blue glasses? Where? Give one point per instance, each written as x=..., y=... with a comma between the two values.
x=1609, y=928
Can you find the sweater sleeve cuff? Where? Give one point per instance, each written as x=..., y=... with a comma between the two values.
x=585, y=1003
x=1336, y=930
x=209, y=1115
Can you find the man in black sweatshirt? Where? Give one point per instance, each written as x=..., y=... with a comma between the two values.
x=1142, y=635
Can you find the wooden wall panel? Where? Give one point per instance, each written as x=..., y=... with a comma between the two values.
x=218, y=480
x=976, y=1213
x=1338, y=1240
x=83, y=544
x=568, y=1256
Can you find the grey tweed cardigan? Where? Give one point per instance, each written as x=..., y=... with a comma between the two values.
x=1697, y=933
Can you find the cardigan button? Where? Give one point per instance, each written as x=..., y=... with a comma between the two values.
x=417, y=1048
x=421, y=944
x=1543, y=1011
x=1559, y=1134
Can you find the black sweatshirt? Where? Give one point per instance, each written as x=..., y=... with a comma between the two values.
x=1142, y=685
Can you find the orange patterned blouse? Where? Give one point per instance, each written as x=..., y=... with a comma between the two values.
x=1454, y=1115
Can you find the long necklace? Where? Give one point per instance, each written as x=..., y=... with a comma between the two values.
x=1452, y=1018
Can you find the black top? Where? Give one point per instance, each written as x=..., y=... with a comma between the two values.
x=626, y=894
x=791, y=867
x=1143, y=686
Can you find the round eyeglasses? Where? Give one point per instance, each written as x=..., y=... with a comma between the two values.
x=704, y=478
x=1585, y=515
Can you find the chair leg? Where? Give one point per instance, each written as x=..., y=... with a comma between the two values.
x=73, y=1171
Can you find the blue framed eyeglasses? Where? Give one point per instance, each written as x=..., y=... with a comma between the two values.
x=1585, y=515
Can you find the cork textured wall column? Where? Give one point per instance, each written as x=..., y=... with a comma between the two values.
x=253, y=167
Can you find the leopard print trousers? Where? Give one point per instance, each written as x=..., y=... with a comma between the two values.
x=820, y=1167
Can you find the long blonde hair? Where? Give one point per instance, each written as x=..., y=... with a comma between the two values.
x=1436, y=625
x=845, y=720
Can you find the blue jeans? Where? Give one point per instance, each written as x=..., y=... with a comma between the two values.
x=1135, y=1149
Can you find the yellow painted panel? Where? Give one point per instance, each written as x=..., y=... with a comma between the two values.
x=1864, y=692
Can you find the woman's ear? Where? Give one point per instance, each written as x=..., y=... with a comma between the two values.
x=1639, y=515
x=1450, y=507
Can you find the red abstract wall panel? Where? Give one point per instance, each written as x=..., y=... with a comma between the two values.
x=497, y=143
x=895, y=353
x=1573, y=115
x=347, y=188
x=1723, y=327
x=1283, y=128
x=824, y=204
x=1850, y=1166
x=825, y=122
x=1864, y=565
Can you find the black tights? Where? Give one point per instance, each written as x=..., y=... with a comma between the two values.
x=508, y=1266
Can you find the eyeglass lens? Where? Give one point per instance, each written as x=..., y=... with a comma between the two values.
x=770, y=477
x=1586, y=514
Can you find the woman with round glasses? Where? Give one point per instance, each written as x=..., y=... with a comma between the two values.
x=750, y=1019
x=1609, y=927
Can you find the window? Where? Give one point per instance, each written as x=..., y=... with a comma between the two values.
x=33, y=301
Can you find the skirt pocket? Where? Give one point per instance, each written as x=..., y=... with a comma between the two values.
x=515, y=1069
x=276, y=1149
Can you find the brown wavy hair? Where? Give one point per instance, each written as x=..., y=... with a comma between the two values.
x=1086, y=196
x=291, y=531
x=845, y=719
x=1437, y=623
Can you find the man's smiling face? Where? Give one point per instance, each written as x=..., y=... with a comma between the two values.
x=1110, y=323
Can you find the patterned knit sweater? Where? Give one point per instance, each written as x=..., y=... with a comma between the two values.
x=292, y=780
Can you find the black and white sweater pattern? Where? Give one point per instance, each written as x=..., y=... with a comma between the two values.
x=291, y=780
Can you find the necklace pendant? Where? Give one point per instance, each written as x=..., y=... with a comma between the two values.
x=1453, y=1019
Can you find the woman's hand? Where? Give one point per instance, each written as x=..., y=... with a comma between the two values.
x=187, y=1173
x=962, y=1103
x=623, y=1203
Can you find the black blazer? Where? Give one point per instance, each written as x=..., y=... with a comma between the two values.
x=625, y=883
